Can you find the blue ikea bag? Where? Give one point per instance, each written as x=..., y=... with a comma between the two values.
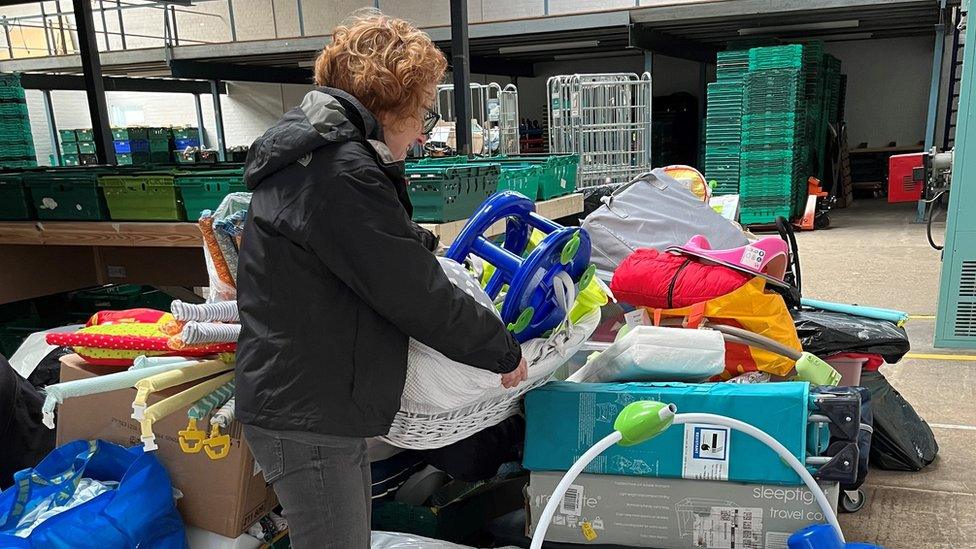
x=139, y=512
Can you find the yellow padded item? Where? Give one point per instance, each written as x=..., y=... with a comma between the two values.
x=176, y=402
x=146, y=386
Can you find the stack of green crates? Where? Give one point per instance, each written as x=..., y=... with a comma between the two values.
x=16, y=141
x=774, y=132
x=205, y=189
x=814, y=75
x=75, y=151
x=832, y=88
x=159, y=150
x=77, y=147
x=723, y=122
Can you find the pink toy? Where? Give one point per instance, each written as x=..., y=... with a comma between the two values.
x=767, y=257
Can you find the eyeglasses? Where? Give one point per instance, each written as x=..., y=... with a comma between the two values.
x=430, y=120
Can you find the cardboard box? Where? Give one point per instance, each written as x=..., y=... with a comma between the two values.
x=674, y=513
x=563, y=420
x=223, y=496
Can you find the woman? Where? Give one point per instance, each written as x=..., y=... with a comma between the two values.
x=334, y=278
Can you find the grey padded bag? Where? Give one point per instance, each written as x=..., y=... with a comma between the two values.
x=654, y=211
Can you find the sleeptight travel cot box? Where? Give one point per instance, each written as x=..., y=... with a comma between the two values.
x=564, y=419
x=674, y=513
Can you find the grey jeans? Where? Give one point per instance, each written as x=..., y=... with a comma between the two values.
x=323, y=484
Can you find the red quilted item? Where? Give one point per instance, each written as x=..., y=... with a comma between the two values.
x=145, y=316
x=648, y=278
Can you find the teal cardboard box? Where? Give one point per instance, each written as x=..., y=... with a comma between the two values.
x=564, y=419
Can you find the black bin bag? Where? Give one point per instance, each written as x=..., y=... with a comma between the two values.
x=824, y=333
x=902, y=440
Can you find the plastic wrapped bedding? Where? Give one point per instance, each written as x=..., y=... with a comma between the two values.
x=654, y=353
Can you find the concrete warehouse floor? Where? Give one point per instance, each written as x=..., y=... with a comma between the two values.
x=874, y=255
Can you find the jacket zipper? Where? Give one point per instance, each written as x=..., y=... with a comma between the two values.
x=674, y=279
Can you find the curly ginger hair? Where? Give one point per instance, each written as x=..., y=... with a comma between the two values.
x=386, y=63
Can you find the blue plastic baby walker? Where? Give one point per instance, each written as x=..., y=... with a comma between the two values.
x=530, y=307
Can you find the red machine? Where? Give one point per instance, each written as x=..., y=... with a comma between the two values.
x=906, y=177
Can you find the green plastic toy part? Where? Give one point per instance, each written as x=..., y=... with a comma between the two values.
x=643, y=420
x=570, y=249
x=522, y=321
x=814, y=370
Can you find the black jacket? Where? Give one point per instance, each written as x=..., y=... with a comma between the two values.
x=334, y=278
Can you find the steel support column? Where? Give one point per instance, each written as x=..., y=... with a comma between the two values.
x=460, y=60
x=649, y=63
x=52, y=126
x=934, y=87
x=198, y=104
x=94, y=87
x=219, y=119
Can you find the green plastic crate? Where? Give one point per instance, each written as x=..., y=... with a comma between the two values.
x=83, y=160
x=160, y=145
x=185, y=132
x=15, y=202
x=67, y=194
x=204, y=190
x=448, y=193
x=13, y=334
x=142, y=197
x=157, y=134
x=86, y=147
x=85, y=134
x=68, y=136
x=69, y=148
x=120, y=297
x=132, y=159
x=16, y=150
x=559, y=173
x=12, y=92
x=13, y=108
x=121, y=134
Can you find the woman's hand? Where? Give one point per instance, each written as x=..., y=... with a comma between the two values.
x=516, y=376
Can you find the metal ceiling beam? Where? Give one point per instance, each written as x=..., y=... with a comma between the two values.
x=499, y=65
x=240, y=73
x=536, y=25
x=648, y=39
x=94, y=86
x=750, y=8
x=37, y=81
x=460, y=60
